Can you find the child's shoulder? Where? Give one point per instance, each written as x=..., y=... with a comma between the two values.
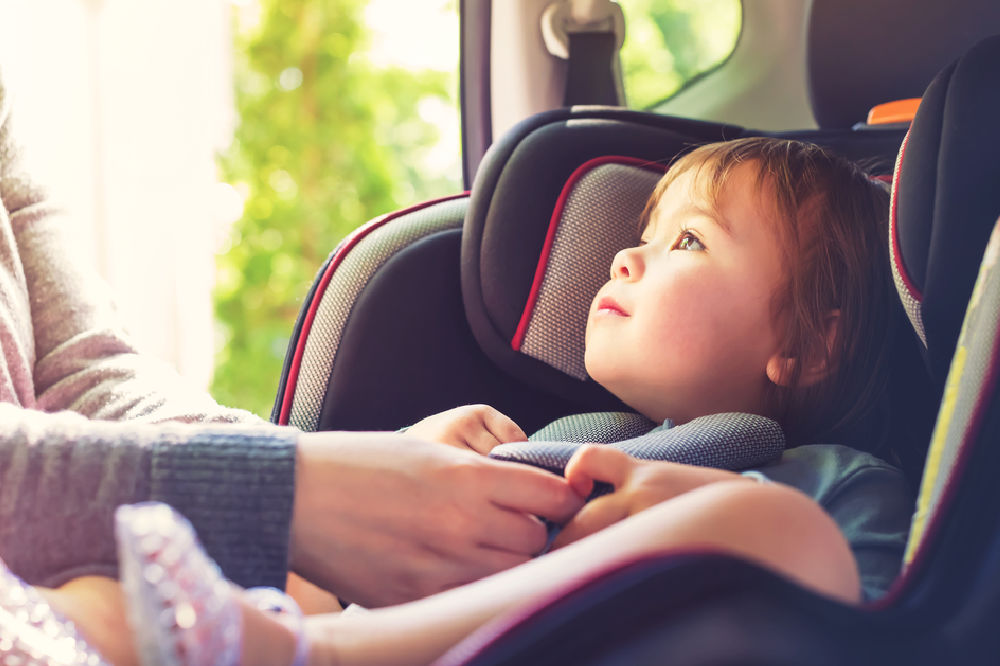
x=844, y=458
x=826, y=471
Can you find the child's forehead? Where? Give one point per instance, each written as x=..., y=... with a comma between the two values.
x=734, y=198
x=710, y=178
x=710, y=185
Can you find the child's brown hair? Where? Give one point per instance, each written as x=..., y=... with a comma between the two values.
x=831, y=219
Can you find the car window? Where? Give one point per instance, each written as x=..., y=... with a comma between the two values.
x=669, y=43
x=345, y=110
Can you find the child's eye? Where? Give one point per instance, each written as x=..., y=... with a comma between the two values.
x=688, y=241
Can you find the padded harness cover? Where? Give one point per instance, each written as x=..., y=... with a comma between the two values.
x=725, y=441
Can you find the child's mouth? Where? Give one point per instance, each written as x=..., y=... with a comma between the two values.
x=609, y=306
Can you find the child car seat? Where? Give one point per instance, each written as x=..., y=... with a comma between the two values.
x=386, y=336
x=460, y=300
x=709, y=609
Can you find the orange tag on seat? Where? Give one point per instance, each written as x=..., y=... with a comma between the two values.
x=900, y=111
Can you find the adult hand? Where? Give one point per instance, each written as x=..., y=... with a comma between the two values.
x=639, y=484
x=476, y=427
x=383, y=518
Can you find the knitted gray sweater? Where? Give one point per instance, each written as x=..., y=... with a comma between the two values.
x=88, y=423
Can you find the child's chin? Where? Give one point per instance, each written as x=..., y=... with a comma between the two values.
x=593, y=368
x=602, y=377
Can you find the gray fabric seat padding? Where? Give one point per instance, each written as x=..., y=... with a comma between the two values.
x=730, y=441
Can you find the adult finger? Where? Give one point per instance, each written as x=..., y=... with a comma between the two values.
x=532, y=490
x=512, y=531
x=597, y=463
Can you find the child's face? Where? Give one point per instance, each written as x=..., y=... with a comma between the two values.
x=685, y=327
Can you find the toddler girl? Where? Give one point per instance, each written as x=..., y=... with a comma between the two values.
x=761, y=285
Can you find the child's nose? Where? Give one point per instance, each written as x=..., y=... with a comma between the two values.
x=626, y=264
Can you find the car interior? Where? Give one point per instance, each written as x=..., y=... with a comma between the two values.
x=481, y=297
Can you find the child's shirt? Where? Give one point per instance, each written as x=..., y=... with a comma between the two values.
x=869, y=499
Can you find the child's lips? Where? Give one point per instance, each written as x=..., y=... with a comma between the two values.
x=609, y=306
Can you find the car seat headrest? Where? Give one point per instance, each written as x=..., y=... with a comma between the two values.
x=945, y=199
x=597, y=214
x=861, y=53
x=552, y=204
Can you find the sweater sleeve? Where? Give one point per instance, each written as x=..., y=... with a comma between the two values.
x=62, y=476
x=78, y=437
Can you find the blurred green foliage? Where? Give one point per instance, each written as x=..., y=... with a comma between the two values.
x=325, y=140
x=669, y=42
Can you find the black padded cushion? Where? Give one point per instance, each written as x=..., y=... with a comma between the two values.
x=863, y=53
x=947, y=195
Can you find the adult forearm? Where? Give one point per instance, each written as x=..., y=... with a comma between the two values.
x=60, y=479
x=62, y=476
x=236, y=485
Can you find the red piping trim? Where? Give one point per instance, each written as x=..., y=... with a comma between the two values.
x=543, y=258
x=350, y=242
x=894, y=226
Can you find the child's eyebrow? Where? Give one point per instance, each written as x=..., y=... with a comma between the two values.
x=712, y=215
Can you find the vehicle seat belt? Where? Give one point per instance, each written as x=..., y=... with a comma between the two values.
x=588, y=34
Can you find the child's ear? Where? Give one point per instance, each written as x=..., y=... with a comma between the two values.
x=780, y=369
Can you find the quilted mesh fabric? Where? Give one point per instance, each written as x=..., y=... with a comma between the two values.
x=966, y=388
x=725, y=441
x=600, y=427
x=338, y=299
x=600, y=217
x=911, y=304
